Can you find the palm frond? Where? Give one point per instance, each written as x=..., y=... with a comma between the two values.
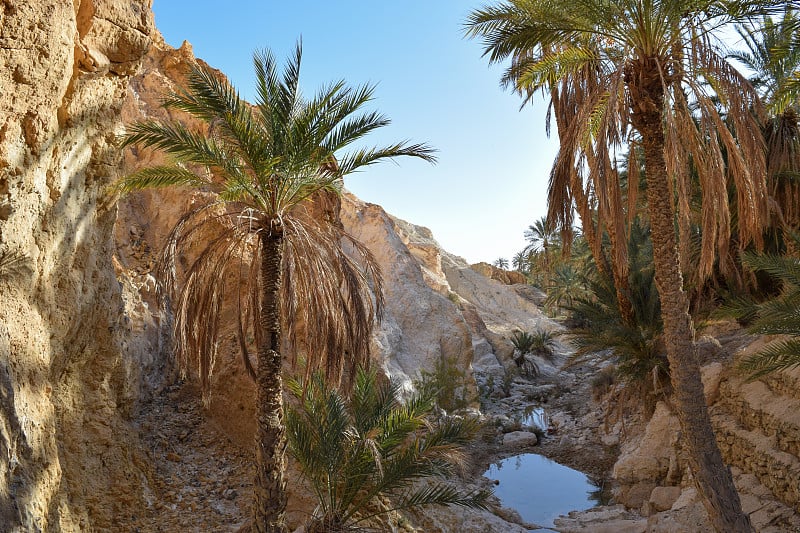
x=775, y=357
x=158, y=177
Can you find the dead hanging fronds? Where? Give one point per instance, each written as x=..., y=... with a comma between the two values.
x=331, y=294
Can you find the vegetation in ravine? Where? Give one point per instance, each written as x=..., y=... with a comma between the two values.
x=370, y=453
x=651, y=78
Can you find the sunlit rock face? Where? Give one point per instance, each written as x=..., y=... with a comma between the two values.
x=439, y=308
x=67, y=374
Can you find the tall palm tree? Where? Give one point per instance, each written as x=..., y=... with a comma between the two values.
x=655, y=63
x=539, y=235
x=265, y=165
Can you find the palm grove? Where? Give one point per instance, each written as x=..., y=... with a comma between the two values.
x=708, y=170
x=719, y=172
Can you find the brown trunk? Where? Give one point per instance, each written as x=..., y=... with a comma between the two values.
x=712, y=477
x=269, y=504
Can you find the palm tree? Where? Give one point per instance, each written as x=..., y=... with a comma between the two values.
x=521, y=261
x=653, y=64
x=501, y=262
x=356, y=450
x=539, y=235
x=565, y=285
x=772, y=53
x=265, y=165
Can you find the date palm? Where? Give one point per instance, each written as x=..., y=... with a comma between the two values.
x=539, y=236
x=772, y=52
x=265, y=166
x=648, y=67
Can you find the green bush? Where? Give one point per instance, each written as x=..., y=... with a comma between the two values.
x=357, y=450
x=449, y=382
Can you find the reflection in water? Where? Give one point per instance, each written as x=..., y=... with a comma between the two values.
x=535, y=416
x=540, y=489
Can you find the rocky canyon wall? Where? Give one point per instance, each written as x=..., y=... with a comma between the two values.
x=68, y=363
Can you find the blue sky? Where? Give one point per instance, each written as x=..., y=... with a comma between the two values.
x=491, y=179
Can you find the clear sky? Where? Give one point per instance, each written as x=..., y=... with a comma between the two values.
x=491, y=179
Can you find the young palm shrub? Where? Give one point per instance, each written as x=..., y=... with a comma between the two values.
x=524, y=343
x=776, y=316
x=357, y=450
x=263, y=166
x=543, y=343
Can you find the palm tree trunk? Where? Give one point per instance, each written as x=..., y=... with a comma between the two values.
x=712, y=477
x=269, y=504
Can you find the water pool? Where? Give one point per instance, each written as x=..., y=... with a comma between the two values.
x=540, y=489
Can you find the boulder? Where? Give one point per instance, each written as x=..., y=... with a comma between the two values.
x=647, y=458
x=663, y=498
x=520, y=439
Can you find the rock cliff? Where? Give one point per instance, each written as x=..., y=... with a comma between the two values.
x=67, y=462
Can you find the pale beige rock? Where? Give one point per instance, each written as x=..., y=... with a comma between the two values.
x=613, y=519
x=647, y=458
x=421, y=325
x=519, y=439
x=663, y=498
x=68, y=371
x=712, y=375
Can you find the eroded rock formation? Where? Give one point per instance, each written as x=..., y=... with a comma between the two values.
x=67, y=461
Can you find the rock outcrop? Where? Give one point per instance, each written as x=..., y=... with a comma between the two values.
x=757, y=427
x=68, y=375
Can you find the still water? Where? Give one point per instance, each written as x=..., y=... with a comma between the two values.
x=540, y=489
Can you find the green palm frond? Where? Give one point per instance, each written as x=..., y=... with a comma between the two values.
x=353, y=450
x=779, y=315
x=532, y=74
x=522, y=341
x=781, y=355
x=784, y=268
x=160, y=176
x=175, y=139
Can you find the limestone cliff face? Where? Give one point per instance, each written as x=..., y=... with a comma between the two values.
x=438, y=306
x=66, y=463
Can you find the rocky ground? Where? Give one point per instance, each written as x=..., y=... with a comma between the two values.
x=200, y=476
x=200, y=479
